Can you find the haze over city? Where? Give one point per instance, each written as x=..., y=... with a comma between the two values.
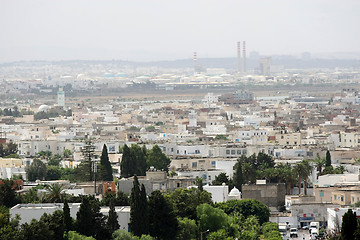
x=142, y=30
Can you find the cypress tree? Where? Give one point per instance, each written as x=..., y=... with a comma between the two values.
x=349, y=225
x=112, y=222
x=105, y=165
x=85, y=224
x=125, y=162
x=68, y=221
x=328, y=159
x=238, y=175
x=163, y=222
x=139, y=221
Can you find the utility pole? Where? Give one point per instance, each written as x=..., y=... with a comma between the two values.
x=94, y=168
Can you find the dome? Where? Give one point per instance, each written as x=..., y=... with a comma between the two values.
x=234, y=192
x=44, y=108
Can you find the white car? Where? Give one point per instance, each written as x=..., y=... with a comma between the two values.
x=293, y=232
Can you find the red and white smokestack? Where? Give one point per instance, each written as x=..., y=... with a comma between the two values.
x=239, y=57
x=244, y=56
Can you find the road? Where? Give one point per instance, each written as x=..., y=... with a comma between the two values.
x=302, y=234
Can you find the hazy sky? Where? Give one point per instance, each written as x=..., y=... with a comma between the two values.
x=170, y=29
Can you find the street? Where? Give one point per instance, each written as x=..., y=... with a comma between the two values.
x=302, y=234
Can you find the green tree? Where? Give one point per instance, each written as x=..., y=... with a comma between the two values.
x=126, y=164
x=9, y=227
x=72, y=235
x=328, y=159
x=185, y=201
x=270, y=231
x=68, y=220
x=67, y=153
x=139, y=216
x=319, y=164
x=105, y=165
x=54, y=160
x=163, y=222
x=199, y=183
x=54, y=192
x=158, y=159
x=238, y=178
x=85, y=167
x=53, y=173
x=112, y=221
x=247, y=208
x=90, y=221
x=349, y=225
x=302, y=171
x=211, y=218
x=138, y=158
x=35, y=230
x=220, y=179
x=188, y=229
x=8, y=196
x=36, y=170
x=55, y=223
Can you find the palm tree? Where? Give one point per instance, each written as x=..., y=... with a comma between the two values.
x=302, y=170
x=285, y=175
x=54, y=194
x=319, y=164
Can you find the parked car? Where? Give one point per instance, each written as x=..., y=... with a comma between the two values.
x=293, y=232
x=306, y=227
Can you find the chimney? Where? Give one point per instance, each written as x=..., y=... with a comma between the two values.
x=244, y=56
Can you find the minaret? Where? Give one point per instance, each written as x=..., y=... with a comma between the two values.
x=195, y=62
x=61, y=97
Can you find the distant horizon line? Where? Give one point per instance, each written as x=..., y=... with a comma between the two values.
x=313, y=57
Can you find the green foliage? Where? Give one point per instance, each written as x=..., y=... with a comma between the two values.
x=67, y=153
x=150, y=129
x=220, y=179
x=54, y=194
x=90, y=221
x=84, y=171
x=9, y=149
x=247, y=208
x=328, y=159
x=8, y=196
x=36, y=170
x=139, y=215
x=162, y=220
x=220, y=234
x=112, y=221
x=199, y=183
x=105, y=166
x=54, y=160
x=188, y=229
x=185, y=201
x=72, y=235
x=124, y=235
x=126, y=166
x=52, y=113
x=158, y=159
x=221, y=137
x=9, y=228
x=120, y=199
x=302, y=171
x=270, y=231
x=349, y=225
x=68, y=220
x=53, y=173
x=211, y=218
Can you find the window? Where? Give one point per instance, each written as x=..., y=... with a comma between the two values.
x=334, y=197
x=194, y=165
x=282, y=137
x=172, y=149
x=342, y=198
x=197, y=151
x=232, y=152
x=227, y=151
x=244, y=151
x=238, y=152
x=213, y=163
x=321, y=194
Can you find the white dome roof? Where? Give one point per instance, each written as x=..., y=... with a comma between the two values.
x=234, y=192
x=44, y=108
